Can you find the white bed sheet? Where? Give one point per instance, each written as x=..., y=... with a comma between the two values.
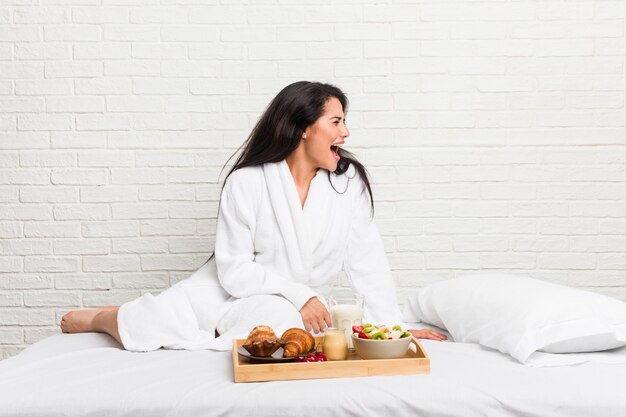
x=89, y=375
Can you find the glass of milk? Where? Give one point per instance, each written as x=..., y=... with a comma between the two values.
x=346, y=311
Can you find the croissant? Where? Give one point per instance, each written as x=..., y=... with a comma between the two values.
x=262, y=341
x=297, y=342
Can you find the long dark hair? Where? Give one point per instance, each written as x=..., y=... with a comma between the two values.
x=279, y=130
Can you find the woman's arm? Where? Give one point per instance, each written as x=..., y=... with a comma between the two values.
x=238, y=272
x=366, y=264
x=367, y=267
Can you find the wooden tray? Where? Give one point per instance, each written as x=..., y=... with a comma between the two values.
x=416, y=361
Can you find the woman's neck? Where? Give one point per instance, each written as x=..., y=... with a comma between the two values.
x=301, y=169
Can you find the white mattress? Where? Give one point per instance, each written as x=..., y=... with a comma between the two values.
x=89, y=375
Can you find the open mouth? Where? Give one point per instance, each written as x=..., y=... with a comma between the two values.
x=335, y=151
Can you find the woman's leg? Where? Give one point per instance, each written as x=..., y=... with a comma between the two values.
x=246, y=313
x=102, y=320
x=181, y=317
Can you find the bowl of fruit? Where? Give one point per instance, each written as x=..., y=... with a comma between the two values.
x=380, y=342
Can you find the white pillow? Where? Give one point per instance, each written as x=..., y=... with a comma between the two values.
x=519, y=316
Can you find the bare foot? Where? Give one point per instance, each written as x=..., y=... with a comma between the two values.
x=81, y=321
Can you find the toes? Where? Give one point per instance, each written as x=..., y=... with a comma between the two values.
x=65, y=321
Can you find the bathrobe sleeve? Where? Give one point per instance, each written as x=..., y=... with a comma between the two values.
x=237, y=270
x=367, y=267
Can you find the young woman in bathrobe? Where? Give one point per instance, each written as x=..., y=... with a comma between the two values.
x=294, y=209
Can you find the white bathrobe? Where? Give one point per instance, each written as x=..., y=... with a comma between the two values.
x=271, y=256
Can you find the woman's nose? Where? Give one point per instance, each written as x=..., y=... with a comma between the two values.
x=345, y=132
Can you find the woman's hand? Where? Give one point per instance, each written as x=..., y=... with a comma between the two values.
x=427, y=334
x=314, y=315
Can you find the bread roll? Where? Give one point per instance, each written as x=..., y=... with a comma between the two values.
x=262, y=341
x=297, y=342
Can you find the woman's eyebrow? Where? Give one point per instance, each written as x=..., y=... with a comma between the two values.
x=336, y=117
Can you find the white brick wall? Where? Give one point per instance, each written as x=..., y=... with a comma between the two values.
x=495, y=133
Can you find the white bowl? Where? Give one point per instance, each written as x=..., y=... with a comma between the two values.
x=381, y=349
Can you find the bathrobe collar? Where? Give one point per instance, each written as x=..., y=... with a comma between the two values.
x=294, y=221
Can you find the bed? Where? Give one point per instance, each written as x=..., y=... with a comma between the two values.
x=89, y=375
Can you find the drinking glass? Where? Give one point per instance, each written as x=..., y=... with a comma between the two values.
x=346, y=310
x=335, y=345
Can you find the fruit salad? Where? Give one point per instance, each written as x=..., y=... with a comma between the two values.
x=369, y=331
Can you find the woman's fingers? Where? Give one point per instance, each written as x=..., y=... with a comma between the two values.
x=436, y=335
x=315, y=316
x=428, y=334
x=320, y=323
x=327, y=319
x=317, y=327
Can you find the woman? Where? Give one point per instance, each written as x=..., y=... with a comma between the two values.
x=294, y=209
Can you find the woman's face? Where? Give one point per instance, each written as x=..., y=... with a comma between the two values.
x=328, y=132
